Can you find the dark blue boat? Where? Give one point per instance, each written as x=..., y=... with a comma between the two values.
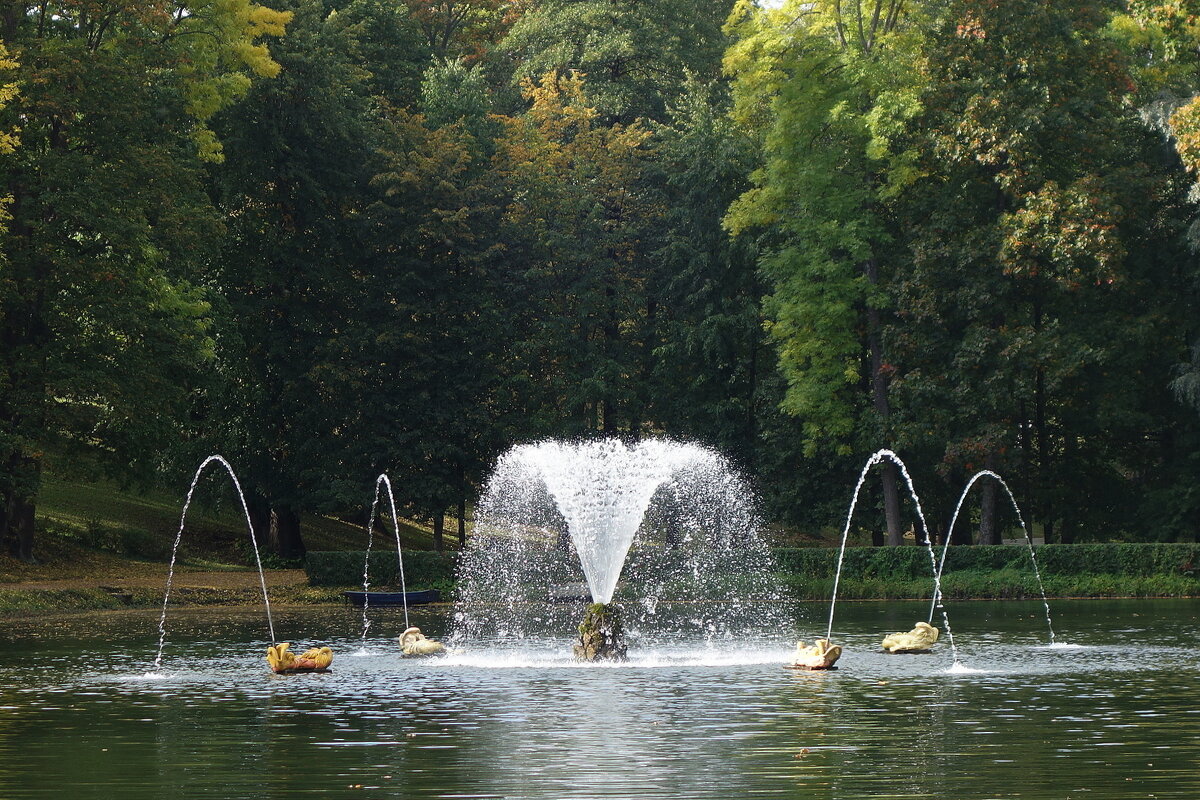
x=377, y=599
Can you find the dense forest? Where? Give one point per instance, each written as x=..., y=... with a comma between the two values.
x=329, y=238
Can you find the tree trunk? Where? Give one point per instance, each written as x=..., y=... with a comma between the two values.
x=462, y=507
x=611, y=331
x=260, y=517
x=1066, y=533
x=1043, y=472
x=20, y=506
x=641, y=407
x=1024, y=432
x=21, y=521
x=891, y=503
x=879, y=399
x=462, y=521
x=8, y=542
x=284, y=535
x=439, y=530
x=989, y=533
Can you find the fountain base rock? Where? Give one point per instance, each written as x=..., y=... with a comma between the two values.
x=414, y=644
x=919, y=640
x=822, y=655
x=283, y=661
x=601, y=635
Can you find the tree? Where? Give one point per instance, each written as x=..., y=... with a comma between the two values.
x=8, y=138
x=100, y=321
x=454, y=29
x=636, y=56
x=579, y=213
x=293, y=190
x=827, y=87
x=708, y=348
x=437, y=291
x=1041, y=236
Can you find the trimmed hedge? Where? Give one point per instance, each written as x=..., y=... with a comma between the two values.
x=423, y=569
x=874, y=572
x=909, y=563
x=999, y=585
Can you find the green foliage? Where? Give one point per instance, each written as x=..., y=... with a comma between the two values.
x=635, y=56
x=958, y=230
x=293, y=189
x=1030, y=285
x=101, y=318
x=827, y=110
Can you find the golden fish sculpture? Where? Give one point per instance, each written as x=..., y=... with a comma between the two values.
x=414, y=644
x=822, y=655
x=919, y=640
x=283, y=660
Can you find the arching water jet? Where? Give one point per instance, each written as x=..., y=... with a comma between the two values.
x=878, y=458
x=385, y=482
x=162, y=622
x=987, y=473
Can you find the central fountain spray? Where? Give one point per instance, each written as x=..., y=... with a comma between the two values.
x=557, y=512
x=602, y=489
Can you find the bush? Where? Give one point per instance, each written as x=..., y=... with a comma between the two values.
x=423, y=569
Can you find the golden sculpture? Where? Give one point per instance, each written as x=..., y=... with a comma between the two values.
x=283, y=660
x=414, y=643
x=919, y=640
x=822, y=655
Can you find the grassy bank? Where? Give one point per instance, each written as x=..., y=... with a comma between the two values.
x=997, y=585
x=143, y=525
x=98, y=547
x=25, y=599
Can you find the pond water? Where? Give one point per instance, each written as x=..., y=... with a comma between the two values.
x=1116, y=718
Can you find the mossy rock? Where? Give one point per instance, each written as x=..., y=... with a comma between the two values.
x=601, y=634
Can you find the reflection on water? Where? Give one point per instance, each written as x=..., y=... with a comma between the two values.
x=1113, y=716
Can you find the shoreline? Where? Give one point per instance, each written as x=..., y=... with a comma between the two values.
x=16, y=601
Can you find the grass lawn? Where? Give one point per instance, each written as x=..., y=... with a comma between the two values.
x=96, y=530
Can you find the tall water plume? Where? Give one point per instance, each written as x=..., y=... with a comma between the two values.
x=644, y=525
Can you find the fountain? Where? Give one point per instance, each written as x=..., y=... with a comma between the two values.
x=162, y=622
x=382, y=482
x=412, y=641
x=877, y=458
x=987, y=473
x=556, y=515
x=279, y=657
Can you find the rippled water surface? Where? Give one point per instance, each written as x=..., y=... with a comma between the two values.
x=1118, y=717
